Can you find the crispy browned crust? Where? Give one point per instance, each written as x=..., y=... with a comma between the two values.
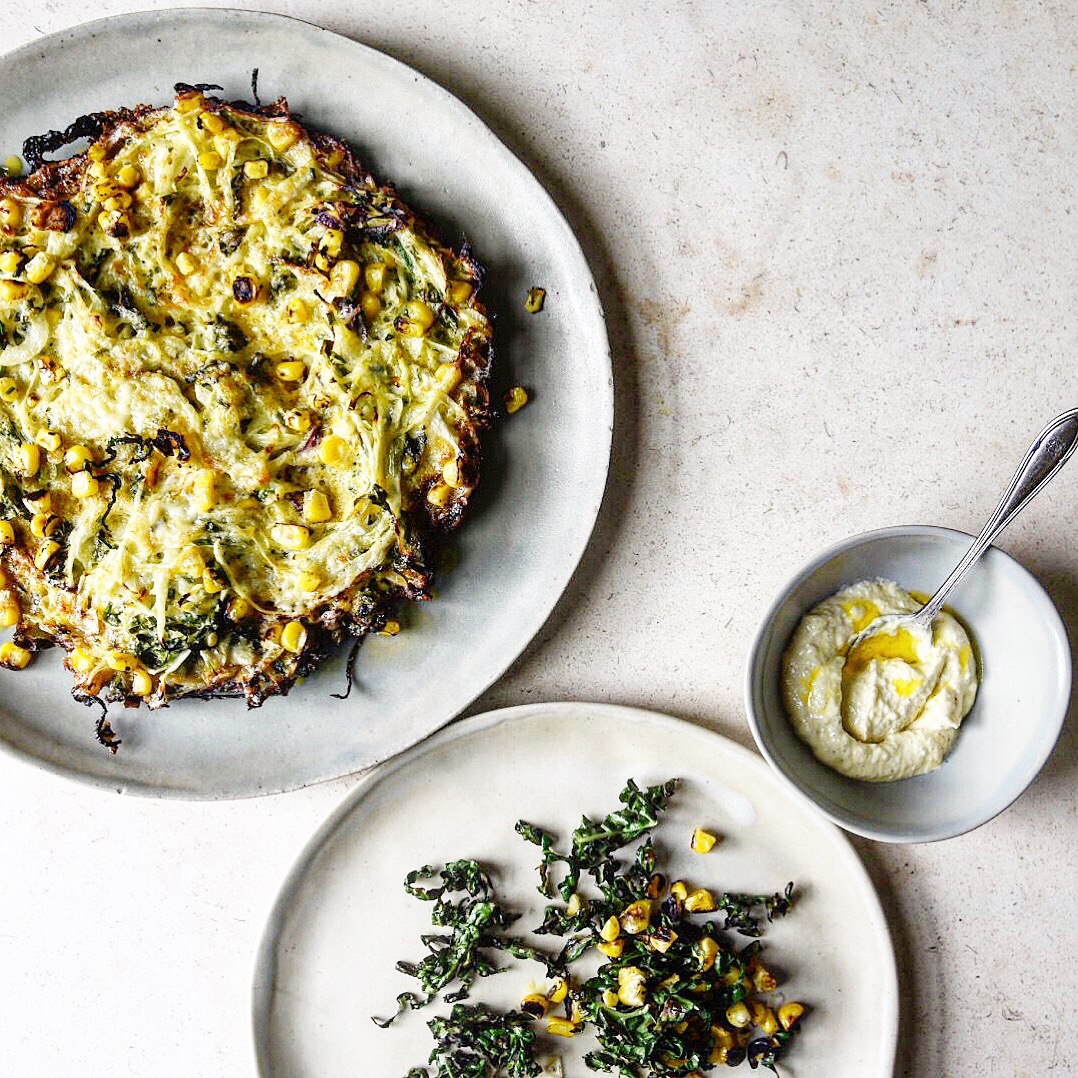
x=354, y=613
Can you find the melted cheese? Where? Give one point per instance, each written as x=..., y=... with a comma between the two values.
x=141, y=345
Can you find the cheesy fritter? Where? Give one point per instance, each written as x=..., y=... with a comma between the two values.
x=239, y=381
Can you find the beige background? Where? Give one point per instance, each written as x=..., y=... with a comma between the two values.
x=836, y=246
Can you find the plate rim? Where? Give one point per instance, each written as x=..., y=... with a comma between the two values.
x=602, y=411
x=264, y=965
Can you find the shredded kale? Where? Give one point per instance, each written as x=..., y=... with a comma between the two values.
x=475, y=1042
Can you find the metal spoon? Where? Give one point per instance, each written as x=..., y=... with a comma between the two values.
x=1051, y=449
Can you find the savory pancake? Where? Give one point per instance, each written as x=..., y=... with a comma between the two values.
x=239, y=383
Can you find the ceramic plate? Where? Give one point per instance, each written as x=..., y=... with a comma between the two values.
x=545, y=469
x=343, y=920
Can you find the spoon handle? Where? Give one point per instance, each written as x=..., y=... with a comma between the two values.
x=1051, y=449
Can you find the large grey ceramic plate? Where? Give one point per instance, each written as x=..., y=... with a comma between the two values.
x=343, y=920
x=546, y=468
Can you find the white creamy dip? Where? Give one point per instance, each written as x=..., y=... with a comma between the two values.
x=890, y=709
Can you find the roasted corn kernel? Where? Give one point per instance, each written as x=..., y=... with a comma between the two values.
x=309, y=582
x=186, y=264
x=239, y=609
x=84, y=485
x=448, y=375
x=44, y=525
x=415, y=320
x=391, y=628
x=534, y=1005
x=14, y=657
x=212, y=582
x=370, y=305
x=700, y=901
x=256, y=170
x=344, y=277
x=13, y=291
x=281, y=134
x=374, y=275
x=294, y=636
x=120, y=661
x=205, y=491
x=81, y=661
x=128, y=176
x=451, y=473
x=9, y=390
x=533, y=302
x=702, y=841
x=212, y=122
x=439, y=495
x=49, y=440
x=39, y=268
x=662, y=939
x=297, y=312
x=7, y=533
x=210, y=160
x=460, y=291
x=738, y=1015
x=613, y=949
x=515, y=399
x=141, y=682
x=10, y=213
x=334, y=451
x=610, y=930
x=10, y=261
x=763, y=1018
x=28, y=456
x=45, y=553
x=9, y=614
x=291, y=370
x=636, y=917
x=632, y=986
x=706, y=950
x=77, y=458
x=575, y=905
x=790, y=1014
x=560, y=1027
x=559, y=990
x=763, y=980
x=316, y=508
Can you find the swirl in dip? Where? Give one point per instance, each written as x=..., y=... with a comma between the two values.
x=892, y=707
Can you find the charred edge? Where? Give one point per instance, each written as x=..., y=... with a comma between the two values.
x=254, y=87
x=169, y=443
x=349, y=670
x=89, y=126
x=195, y=87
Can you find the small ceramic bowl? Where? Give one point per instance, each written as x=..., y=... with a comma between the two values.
x=1004, y=741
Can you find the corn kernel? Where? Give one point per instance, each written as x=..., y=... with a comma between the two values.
x=141, y=683
x=610, y=930
x=309, y=582
x=46, y=552
x=121, y=661
x=9, y=390
x=186, y=264
x=40, y=268
x=613, y=949
x=297, y=421
x=29, y=458
x=294, y=636
x=297, y=312
x=391, y=628
x=334, y=157
x=226, y=142
x=439, y=495
x=239, y=608
x=189, y=102
x=10, y=262
x=77, y=458
x=81, y=661
x=84, y=485
x=281, y=134
x=260, y=197
x=416, y=319
x=9, y=614
x=120, y=201
x=370, y=304
x=533, y=302
x=656, y=885
x=575, y=905
x=702, y=841
x=790, y=1014
x=706, y=950
x=210, y=160
x=534, y=1005
x=292, y=370
x=332, y=240
x=610, y=999
x=212, y=582
x=738, y=1015
x=97, y=152
x=700, y=901
x=205, y=491
x=316, y=508
x=460, y=291
x=632, y=986
x=44, y=525
x=515, y=399
x=560, y=1027
x=763, y=980
x=763, y=1018
x=334, y=451
x=13, y=166
x=635, y=917
x=49, y=440
x=451, y=473
x=662, y=939
x=14, y=657
x=128, y=176
x=256, y=170
x=344, y=277
x=448, y=376
x=7, y=533
x=680, y=890
x=374, y=275
x=212, y=122
x=13, y=291
x=292, y=536
x=10, y=213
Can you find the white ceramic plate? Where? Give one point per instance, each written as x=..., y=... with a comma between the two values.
x=327, y=959
x=545, y=469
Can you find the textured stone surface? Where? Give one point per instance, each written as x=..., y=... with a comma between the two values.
x=836, y=249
